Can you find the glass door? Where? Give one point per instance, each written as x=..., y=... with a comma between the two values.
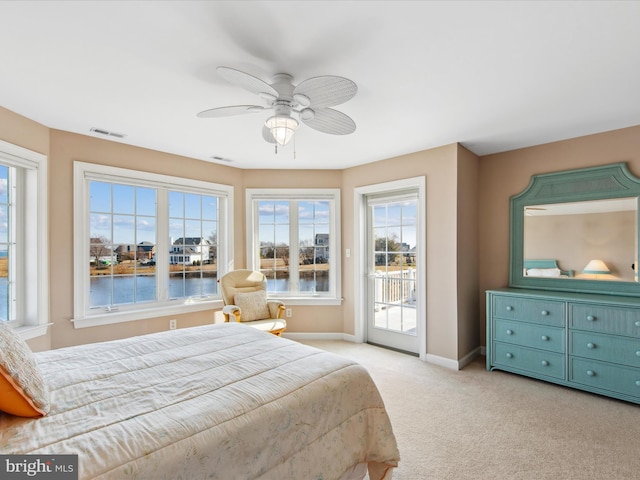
x=392, y=227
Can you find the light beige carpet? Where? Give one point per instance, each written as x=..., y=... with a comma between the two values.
x=474, y=424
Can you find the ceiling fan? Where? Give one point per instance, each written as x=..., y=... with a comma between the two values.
x=309, y=101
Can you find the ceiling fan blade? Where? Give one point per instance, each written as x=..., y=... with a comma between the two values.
x=327, y=120
x=325, y=91
x=230, y=111
x=246, y=81
x=266, y=134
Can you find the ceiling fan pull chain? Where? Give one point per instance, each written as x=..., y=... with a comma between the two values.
x=294, y=148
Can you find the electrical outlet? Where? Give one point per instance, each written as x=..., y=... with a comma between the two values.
x=173, y=324
x=287, y=312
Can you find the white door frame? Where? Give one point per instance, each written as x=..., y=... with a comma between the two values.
x=360, y=255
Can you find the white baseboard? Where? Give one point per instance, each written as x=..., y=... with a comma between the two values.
x=454, y=364
x=470, y=357
x=347, y=337
x=319, y=336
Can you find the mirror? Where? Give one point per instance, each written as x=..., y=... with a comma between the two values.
x=575, y=234
x=577, y=230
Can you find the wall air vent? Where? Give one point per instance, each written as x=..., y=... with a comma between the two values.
x=107, y=133
x=221, y=159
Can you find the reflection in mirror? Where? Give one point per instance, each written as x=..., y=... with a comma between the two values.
x=589, y=240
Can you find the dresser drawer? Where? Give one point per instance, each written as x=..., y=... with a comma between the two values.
x=531, y=360
x=605, y=347
x=625, y=380
x=537, y=336
x=616, y=320
x=547, y=312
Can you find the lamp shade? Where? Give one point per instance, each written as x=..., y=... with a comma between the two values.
x=282, y=127
x=597, y=267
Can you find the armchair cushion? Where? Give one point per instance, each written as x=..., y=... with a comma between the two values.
x=271, y=325
x=253, y=305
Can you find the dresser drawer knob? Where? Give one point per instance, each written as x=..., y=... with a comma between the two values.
x=638, y=323
x=591, y=318
x=544, y=362
x=544, y=338
x=544, y=313
x=509, y=355
x=509, y=308
x=591, y=345
x=591, y=373
x=509, y=332
x=637, y=383
x=638, y=353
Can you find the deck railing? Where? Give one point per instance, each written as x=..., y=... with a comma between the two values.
x=395, y=287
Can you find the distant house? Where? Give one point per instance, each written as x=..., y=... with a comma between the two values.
x=142, y=252
x=146, y=250
x=408, y=253
x=125, y=252
x=190, y=250
x=322, y=247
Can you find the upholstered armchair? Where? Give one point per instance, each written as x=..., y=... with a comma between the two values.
x=244, y=294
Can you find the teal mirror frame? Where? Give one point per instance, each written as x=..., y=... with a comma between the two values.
x=595, y=183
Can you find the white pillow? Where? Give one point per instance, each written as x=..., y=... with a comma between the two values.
x=253, y=305
x=22, y=388
x=543, y=272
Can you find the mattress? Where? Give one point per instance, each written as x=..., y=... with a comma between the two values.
x=222, y=401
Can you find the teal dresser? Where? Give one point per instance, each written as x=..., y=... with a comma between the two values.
x=580, y=340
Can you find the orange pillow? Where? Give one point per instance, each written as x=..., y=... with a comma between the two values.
x=22, y=388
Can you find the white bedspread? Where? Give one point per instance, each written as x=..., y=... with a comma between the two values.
x=219, y=401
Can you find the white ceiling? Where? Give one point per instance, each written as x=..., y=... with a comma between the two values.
x=494, y=76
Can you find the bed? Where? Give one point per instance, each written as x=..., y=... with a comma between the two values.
x=222, y=401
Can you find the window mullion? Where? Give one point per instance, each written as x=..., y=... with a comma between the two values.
x=15, y=253
x=162, y=244
x=294, y=248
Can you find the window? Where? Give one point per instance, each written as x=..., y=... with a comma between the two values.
x=23, y=240
x=294, y=240
x=145, y=242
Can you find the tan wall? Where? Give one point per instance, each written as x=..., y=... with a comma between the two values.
x=23, y=132
x=467, y=264
x=505, y=174
x=440, y=168
x=451, y=174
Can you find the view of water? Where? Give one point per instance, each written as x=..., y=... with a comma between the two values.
x=141, y=288
x=123, y=288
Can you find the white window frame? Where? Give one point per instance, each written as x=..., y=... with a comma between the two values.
x=31, y=239
x=253, y=195
x=84, y=316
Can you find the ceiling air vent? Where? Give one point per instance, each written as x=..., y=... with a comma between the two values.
x=221, y=159
x=102, y=131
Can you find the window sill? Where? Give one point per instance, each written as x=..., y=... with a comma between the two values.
x=27, y=332
x=319, y=301
x=110, y=318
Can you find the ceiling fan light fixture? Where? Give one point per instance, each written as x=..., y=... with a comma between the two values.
x=282, y=127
